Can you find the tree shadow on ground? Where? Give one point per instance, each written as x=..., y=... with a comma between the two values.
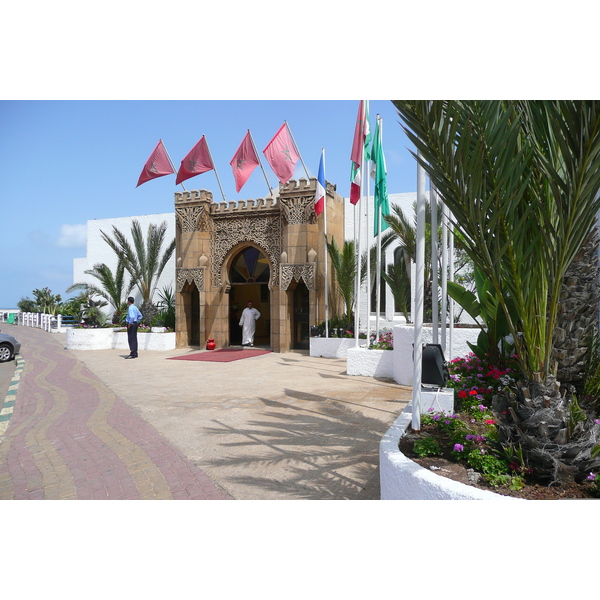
x=307, y=446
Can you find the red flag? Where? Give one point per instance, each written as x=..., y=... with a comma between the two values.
x=361, y=137
x=244, y=161
x=281, y=154
x=197, y=161
x=157, y=165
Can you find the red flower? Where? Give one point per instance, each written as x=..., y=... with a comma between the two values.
x=473, y=393
x=462, y=394
x=490, y=422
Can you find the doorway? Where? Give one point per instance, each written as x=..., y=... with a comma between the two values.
x=249, y=276
x=301, y=335
x=191, y=304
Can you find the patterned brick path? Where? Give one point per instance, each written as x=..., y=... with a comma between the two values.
x=70, y=437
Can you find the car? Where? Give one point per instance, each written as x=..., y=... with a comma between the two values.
x=9, y=346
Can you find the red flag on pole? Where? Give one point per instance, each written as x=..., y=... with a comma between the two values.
x=197, y=161
x=360, y=142
x=157, y=165
x=244, y=161
x=281, y=154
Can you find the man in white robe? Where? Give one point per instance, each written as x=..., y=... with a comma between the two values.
x=248, y=324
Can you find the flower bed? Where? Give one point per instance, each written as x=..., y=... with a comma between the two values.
x=403, y=479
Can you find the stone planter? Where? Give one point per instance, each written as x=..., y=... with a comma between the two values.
x=331, y=347
x=116, y=338
x=370, y=363
x=404, y=479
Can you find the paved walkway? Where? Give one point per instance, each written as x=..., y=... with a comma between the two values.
x=89, y=424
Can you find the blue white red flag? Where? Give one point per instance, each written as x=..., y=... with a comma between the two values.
x=320, y=193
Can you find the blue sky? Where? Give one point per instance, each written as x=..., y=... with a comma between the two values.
x=65, y=162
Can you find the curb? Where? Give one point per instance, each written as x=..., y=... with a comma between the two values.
x=7, y=407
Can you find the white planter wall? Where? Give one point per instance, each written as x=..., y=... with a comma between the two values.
x=370, y=363
x=331, y=347
x=403, y=479
x=110, y=338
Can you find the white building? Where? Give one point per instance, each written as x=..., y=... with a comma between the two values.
x=98, y=251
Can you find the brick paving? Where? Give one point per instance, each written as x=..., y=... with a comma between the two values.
x=69, y=436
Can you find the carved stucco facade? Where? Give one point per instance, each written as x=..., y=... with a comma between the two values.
x=286, y=232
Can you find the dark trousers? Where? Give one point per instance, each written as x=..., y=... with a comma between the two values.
x=132, y=338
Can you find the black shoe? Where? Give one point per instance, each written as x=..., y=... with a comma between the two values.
x=130, y=356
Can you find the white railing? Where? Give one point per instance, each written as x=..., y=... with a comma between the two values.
x=51, y=323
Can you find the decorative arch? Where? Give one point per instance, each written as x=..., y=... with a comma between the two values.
x=229, y=235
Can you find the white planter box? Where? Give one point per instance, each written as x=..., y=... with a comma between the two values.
x=116, y=338
x=331, y=347
x=403, y=479
x=370, y=363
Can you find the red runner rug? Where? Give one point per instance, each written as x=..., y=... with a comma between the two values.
x=222, y=355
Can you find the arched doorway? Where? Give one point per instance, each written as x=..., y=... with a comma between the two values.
x=300, y=335
x=249, y=277
x=191, y=311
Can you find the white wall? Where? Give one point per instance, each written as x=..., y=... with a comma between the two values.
x=98, y=251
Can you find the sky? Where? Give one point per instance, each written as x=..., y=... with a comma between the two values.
x=64, y=162
x=85, y=97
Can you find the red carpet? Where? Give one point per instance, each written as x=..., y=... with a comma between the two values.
x=222, y=355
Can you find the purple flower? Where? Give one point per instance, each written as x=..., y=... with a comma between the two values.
x=458, y=447
x=591, y=477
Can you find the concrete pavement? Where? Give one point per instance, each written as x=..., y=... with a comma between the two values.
x=89, y=424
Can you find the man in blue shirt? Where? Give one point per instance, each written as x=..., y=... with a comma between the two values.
x=133, y=319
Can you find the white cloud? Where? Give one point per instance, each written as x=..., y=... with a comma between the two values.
x=72, y=236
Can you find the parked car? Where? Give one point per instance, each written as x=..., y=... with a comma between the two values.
x=9, y=346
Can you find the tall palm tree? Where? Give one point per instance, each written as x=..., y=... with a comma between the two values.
x=344, y=265
x=143, y=260
x=112, y=289
x=522, y=180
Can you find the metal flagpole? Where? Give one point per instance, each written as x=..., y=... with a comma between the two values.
x=451, y=278
x=297, y=151
x=326, y=253
x=368, y=260
x=215, y=169
x=357, y=254
x=260, y=163
x=444, y=275
x=378, y=259
x=419, y=289
x=172, y=165
x=434, y=266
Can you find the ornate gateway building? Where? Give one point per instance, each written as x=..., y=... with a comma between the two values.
x=270, y=251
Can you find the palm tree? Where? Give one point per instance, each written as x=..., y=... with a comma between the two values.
x=344, y=265
x=521, y=179
x=112, y=289
x=47, y=302
x=143, y=261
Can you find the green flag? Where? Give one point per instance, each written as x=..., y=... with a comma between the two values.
x=378, y=172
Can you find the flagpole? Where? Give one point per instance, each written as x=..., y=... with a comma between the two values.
x=326, y=253
x=419, y=296
x=172, y=165
x=260, y=163
x=358, y=254
x=378, y=260
x=434, y=265
x=297, y=151
x=368, y=263
x=215, y=169
x=444, y=277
